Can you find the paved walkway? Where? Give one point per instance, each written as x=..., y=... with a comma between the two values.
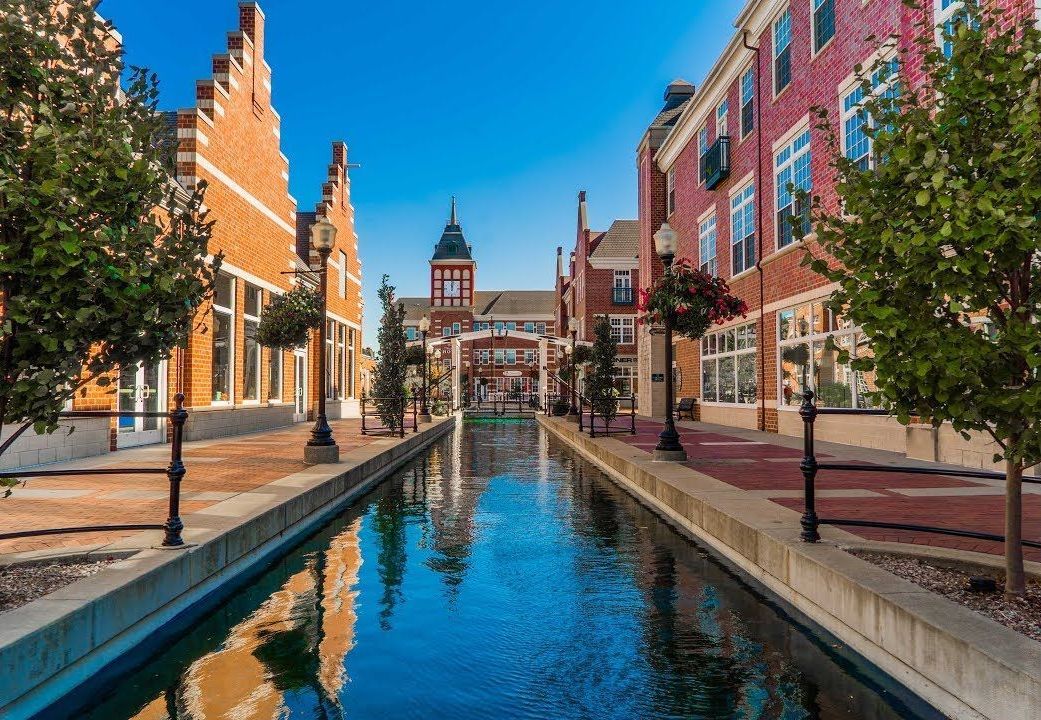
x=217, y=470
x=767, y=465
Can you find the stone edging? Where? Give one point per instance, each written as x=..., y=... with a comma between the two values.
x=55, y=644
x=962, y=663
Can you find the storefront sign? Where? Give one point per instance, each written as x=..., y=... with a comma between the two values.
x=658, y=377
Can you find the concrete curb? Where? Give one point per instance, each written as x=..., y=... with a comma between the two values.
x=962, y=663
x=53, y=645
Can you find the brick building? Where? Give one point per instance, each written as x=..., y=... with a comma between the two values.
x=230, y=139
x=716, y=164
x=495, y=341
x=600, y=281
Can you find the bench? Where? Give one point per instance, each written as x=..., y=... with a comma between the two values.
x=686, y=406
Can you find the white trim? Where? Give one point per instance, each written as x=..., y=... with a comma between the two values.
x=706, y=215
x=739, y=186
x=247, y=276
x=776, y=92
x=241, y=192
x=796, y=129
x=619, y=263
x=802, y=298
x=341, y=319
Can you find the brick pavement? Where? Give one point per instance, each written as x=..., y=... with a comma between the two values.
x=217, y=470
x=767, y=465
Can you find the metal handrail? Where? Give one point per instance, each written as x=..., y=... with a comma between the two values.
x=175, y=472
x=608, y=430
x=381, y=411
x=809, y=466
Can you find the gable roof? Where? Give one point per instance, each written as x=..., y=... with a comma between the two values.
x=622, y=240
x=515, y=302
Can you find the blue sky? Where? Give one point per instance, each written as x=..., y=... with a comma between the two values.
x=512, y=107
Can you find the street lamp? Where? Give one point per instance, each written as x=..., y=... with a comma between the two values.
x=322, y=448
x=572, y=326
x=424, y=411
x=668, y=447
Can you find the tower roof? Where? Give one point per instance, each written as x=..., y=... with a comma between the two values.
x=452, y=245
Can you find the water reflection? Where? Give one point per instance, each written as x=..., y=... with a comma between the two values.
x=505, y=578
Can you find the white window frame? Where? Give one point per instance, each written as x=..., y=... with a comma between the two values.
x=232, y=355
x=330, y=354
x=703, y=146
x=341, y=361
x=786, y=156
x=722, y=345
x=739, y=199
x=623, y=329
x=511, y=356
x=815, y=5
x=707, y=232
x=255, y=320
x=722, y=118
x=670, y=191
x=623, y=279
x=941, y=16
x=851, y=87
x=276, y=359
x=783, y=16
x=811, y=340
x=529, y=327
x=457, y=328
x=749, y=74
x=540, y=328
x=529, y=357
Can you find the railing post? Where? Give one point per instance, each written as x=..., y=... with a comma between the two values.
x=809, y=522
x=581, y=403
x=175, y=473
x=415, y=417
x=632, y=414
x=401, y=425
x=592, y=420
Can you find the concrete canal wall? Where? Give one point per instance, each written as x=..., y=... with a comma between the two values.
x=964, y=664
x=59, y=644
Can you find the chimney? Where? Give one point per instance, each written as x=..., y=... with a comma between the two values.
x=560, y=261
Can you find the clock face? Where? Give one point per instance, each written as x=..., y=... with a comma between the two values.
x=451, y=288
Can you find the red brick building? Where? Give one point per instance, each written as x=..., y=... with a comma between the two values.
x=600, y=281
x=494, y=341
x=230, y=137
x=716, y=164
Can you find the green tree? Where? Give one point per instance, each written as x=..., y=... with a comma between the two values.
x=600, y=381
x=391, y=370
x=102, y=255
x=938, y=238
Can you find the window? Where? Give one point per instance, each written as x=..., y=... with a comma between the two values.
x=855, y=120
x=622, y=330
x=499, y=326
x=251, y=349
x=511, y=326
x=341, y=358
x=742, y=229
x=500, y=357
x=529, y=327
x=457, y=328
x=792, y=164
x=728, y=369
x=351, y=341
x=624, y=380
x=823, y=23
x=511, y=357
x=446, y=331
x=747, y=101
x=411, y=334
x=949, y=13
x=782, y=51
x=721, y=118
x=223, y=321
x=540, y=328
x=342, y=279
x=808, y=361
x=707, y=245
x=623, y=278
x=330, y=359
x=702, y=151
x=529, y=357
x=670, y=185
x=483, y=357
x=274, y=375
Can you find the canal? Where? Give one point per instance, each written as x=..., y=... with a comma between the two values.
x=500, y=576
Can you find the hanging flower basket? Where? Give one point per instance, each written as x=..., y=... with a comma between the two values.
x=288, y=318
x=690, y=300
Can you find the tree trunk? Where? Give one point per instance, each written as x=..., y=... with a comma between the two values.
x=1015, y=582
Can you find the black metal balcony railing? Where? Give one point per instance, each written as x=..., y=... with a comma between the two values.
x=715, y=164
x=623, y=296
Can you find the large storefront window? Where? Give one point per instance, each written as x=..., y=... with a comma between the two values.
x=223, y=321
x=809, y=362
x=250, y=347
x=625, y=377
x=728, y=368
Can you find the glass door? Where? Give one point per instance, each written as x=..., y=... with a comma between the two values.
x=142, y=388
x=300, y=386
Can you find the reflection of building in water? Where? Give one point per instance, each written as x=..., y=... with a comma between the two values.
x=298, y=639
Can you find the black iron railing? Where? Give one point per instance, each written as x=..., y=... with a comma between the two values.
x=715, y=164
x=622, y=296
x=608, y=428
x=809, y=466
x=388, y=415
x=174, y=472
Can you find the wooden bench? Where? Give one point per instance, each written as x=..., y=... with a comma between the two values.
x=686, y=406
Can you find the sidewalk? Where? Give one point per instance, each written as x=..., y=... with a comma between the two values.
x=217, y=470
x=767, y=466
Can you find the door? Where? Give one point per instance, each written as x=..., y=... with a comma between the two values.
x=300, y=386
x=142, y=388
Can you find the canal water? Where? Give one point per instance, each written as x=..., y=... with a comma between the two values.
x=501, y=576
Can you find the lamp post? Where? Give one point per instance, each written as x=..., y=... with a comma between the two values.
x=668, y=447
x=322, y=448
x=424, y=410
x=572, y=326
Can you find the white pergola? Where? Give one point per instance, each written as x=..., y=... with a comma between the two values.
x=456, y=341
